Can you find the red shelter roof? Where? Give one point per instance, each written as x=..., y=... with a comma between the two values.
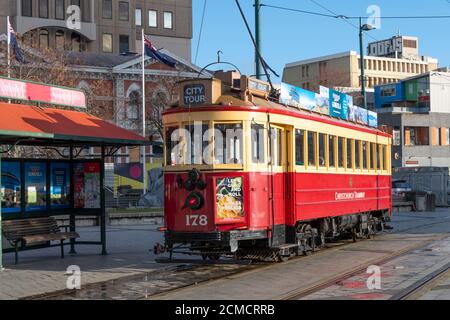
x=60, y=127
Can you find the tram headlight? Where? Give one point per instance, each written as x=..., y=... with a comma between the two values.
x=194, y=201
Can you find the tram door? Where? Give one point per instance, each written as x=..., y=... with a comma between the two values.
x=280, y=180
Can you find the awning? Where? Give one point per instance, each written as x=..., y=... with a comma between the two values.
x=25, y=125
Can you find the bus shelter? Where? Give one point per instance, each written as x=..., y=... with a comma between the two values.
x=68, y=185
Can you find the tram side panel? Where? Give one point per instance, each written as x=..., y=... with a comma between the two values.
x=330, y=195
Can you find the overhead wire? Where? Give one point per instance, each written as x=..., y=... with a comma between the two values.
x=201, y=31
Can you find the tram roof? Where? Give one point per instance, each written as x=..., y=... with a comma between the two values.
x=31, y=125
x=233, y=102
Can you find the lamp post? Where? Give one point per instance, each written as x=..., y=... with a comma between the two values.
x=362, y=28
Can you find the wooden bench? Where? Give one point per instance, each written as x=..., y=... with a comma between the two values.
x=23, y=233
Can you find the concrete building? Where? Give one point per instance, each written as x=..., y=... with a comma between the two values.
x=417, y=113
x=343, y=70
x=107, y=26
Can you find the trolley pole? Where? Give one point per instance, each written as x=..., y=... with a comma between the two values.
x=258, y=38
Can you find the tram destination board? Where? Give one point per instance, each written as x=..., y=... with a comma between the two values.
x=194, y=94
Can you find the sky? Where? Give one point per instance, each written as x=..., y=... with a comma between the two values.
x=290, y=36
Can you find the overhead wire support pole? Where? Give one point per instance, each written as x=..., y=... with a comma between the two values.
x=361, y=58
x=258, y=38
x=255, y=45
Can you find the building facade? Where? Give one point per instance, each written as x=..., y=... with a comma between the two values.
x=387, y=62
x=106, y=26
x=417, y=113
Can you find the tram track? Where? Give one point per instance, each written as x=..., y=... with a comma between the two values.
x=304, y=292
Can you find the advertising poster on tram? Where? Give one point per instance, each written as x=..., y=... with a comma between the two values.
x=11, y=187
x=372, y=119
x=229, y=200
x=361, y=115
x=339, y=104
x=87, y=185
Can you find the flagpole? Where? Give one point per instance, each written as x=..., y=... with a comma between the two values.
x=9, y=46
x=143, y=114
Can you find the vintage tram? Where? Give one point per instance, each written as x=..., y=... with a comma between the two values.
x=245, y=175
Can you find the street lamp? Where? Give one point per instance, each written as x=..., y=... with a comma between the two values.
x=362, y=29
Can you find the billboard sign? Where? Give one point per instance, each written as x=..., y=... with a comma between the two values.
x=361, y=115
x=297, y=97
x=339, y=104
x=37, y=92
x=386, y=48
x=372, y=119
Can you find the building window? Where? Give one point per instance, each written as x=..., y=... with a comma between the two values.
x=59, y=10
x=153, y=18
x=124, y=10
x=396, y=138
x=43, y=39
x=124, y=43
x=76, y=42
x=27, y=8
x=168, y=20
x=417, y=136
x=447, y=136
x=107, y=42
x=107, y=9
x=60, y=40
x=43, y=8
x=138, y=17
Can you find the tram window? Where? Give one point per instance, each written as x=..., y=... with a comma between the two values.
x=341, y=155
x=276, y=147
x=365, y=152
x=332, y=151
x=300, y=147
x=322, y=146
x=380, y=157
x=228, y=143
x=349, y=154
x=385, y=158
x=194, y=154
x=374, y=156
x=258, y=143
x=312, y=149
x=357, y=155
x=170, y=144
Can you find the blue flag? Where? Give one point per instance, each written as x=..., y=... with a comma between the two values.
x=151, y=51
x=12, y=41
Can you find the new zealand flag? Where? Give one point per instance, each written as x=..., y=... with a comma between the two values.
x=12, y=40
x=151, y=51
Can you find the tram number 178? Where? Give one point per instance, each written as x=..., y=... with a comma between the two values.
x=196, y=220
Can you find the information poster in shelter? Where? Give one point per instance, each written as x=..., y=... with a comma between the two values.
x=60, y=185
x=87, y=185
x=229, y=199
x=36, y=186
x=11, y=187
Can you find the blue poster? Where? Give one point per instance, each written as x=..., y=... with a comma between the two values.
x=373, y=119
x=60, y=185
x=297, y=97
x=35, y=186
x=11, y=187
x=339, y=104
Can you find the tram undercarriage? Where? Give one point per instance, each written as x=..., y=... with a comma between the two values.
x=285, y=242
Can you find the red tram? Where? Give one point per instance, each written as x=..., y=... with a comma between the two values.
x=247, y=176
